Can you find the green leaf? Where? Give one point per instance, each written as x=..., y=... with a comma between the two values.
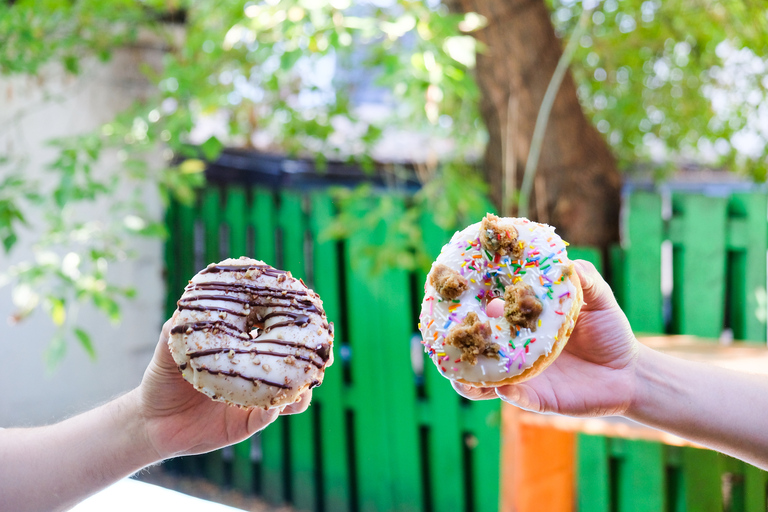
x=85, y=342
x=9, y=241
x=211, y=148
x=55, y=352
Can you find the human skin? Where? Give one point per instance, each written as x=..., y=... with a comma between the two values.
x=604, y=371
x=54, y=467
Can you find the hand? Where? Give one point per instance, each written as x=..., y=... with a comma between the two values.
x=595, y=375
x=180, y=420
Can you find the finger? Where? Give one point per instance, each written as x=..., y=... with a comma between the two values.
x=473, y=393
x=300, y=406
x=597, y=293
x=258, y=419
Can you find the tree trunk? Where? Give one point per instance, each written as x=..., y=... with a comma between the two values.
x=577, y=186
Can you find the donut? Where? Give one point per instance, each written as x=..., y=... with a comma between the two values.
x=250, y=335
x=521, y=262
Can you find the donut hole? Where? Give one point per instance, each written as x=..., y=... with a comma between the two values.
x=495, y=308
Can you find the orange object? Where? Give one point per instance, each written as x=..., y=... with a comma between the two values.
x=538, y=466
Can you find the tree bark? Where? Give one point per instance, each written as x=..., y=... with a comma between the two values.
x=577, y=187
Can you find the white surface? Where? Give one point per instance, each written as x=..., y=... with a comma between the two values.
x=134, y=496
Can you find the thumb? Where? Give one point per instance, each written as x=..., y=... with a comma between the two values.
x=597, y=293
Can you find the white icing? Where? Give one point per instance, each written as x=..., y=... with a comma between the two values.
x=234, y=352
x=543, y=272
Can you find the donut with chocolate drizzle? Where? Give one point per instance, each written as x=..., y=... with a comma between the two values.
x=250, y=335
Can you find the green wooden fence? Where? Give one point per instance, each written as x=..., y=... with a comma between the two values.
x=718, y=252
x=380, y=437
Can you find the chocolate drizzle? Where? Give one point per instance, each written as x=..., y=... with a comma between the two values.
x=215, y=326
x=211, y=308
x=224, y=350
x=255, y=300
x=235, y=374
x=265, y=269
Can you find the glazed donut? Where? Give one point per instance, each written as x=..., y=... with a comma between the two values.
x=248, y=334
x=525, y=264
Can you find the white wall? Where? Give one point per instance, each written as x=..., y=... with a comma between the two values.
x=29, y=394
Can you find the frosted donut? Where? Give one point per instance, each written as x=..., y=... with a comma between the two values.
x=522, y=262
x=248, y=334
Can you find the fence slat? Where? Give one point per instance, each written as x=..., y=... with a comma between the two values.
x=174, y=281
x=333, y=448
x=593, y=478
x=445, y=439
x=373, y=447
x=701, y=477
x=748, y=269
x=755, y=487
x=301, y=438
x=640, y=486
x=211, y=213
x=641, y=293
x=234, y=218
x=235, y=215
x=482, y=423
x=394, y=328
x=699, y=265
x=263, y=221
x=211, y=221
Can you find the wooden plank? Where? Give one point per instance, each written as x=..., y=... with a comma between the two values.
x=373, y=446
x=211, y=217
x=675, y=494
x=210, y=211
x=333, y=435
x=242, y=467
x=748, y=277
x=592, y=476
x=263, y=220
x=640, y=480
x=483, y=424
x=699, y=265
x=235, y=217
x=701, y=476
x=185, y=267
x=445, y=433
x=586, y=253
x=643, y=233
x=292, y=221
x=755, y=486
x=174, y=281
x=388, y=347
x=186, y=239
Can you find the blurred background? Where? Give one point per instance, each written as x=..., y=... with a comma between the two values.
x=345, y=141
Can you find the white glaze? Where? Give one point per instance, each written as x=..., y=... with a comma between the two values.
x=234, y=372
x=464, y=251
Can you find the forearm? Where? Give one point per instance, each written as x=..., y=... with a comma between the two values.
x=715, y=407
x=54, y=467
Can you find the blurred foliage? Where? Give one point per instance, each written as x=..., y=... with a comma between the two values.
x=666, y=82
x=677, y=81
x=279, y=76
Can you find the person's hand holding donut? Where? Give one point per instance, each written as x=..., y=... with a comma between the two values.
x=595, y=375
x=180, y=420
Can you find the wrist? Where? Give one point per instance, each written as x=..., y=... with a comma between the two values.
x=650, y=384
x=133, y=418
